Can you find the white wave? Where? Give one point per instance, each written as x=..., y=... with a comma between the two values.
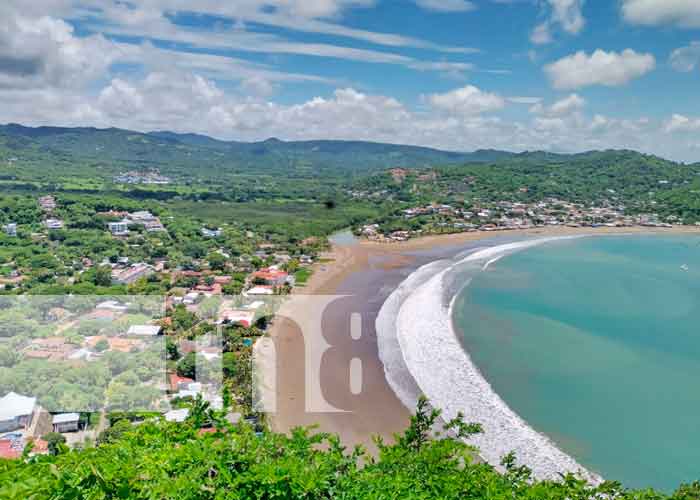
x=422, y=354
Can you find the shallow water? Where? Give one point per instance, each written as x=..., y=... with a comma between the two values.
x=595, y=343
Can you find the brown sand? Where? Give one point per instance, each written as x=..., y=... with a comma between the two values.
x=377, y=411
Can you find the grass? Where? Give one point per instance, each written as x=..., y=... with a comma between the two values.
x=302, y=275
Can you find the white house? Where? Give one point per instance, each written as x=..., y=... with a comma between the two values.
x=144, y=330
x=211, y=233
x=120, y=228
x=16, y=411
x=10, y=229
x=177, y=415
x=259, y=290
x=54, y=224
x=66, y=422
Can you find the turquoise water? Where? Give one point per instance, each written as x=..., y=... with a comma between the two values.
x=596, y=343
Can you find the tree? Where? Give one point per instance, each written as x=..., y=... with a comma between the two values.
x=216, y=261
x=187, y=366
x=103, y=276
x=102, y=345
x=56, y=442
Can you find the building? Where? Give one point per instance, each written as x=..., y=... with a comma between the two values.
x=16, y=412
x=131, y=274
x=142, y=216
x=144, y=330
x=47, y=203
x=177, y=415
x=178, y=383
x=270, y=276
x=259, y=290
x=120, y=228
x=10, y=229
x=11, y=449
x=237, y=316
x=54, y=223
x=211, y=233
x=66, y=422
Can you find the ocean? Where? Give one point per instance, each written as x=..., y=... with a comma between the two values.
x=594, y=342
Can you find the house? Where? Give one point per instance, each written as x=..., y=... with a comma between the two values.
x=16, y=412
x=120, y=228
x=10, y=229
x=211, y=233
x=177, y=415
x=66, y=422
x=238, y=316
x=54, y=224
x=190, y=298
x=153, y=226
x=11, y=449
x=144, y=330
x=111, y=305
x=259, y=290
x=47, y=203
x=178, y=383
x=270, y=276
x=142, y=216
x=131, y=274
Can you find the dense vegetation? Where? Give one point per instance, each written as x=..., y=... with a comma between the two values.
x=156, y=460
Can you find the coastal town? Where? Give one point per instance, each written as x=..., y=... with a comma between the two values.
x=507, y=216
x=161, y=349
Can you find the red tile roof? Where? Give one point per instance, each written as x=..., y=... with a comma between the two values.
x=8, y=450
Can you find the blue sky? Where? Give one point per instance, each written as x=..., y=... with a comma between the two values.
x=560, y=75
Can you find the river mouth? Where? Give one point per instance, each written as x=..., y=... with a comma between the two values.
x=591, y=341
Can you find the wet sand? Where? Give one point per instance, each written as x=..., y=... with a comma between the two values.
x=366, y=273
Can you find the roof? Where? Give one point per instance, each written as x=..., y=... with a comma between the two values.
x=177, y=415
x=64, y=418
x=260, y=290
x=8, y=449
x=14, y=405
x=150, y=330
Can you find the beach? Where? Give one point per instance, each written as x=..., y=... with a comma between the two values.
x=367, y=273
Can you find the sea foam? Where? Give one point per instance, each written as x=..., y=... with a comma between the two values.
x=422, y=354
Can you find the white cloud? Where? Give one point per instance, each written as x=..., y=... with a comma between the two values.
x=563, y=107
x=681, y=123
x=524, y=100
x=541, y=34
x=468, y=100
x=683, y=13
x=446, y=5
x=687, y=58
x=40, y=52
x=600, y=68
x=567, y=14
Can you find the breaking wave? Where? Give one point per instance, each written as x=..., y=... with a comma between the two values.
x=422, y=354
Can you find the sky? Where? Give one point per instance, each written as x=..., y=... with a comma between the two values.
x=556, y=75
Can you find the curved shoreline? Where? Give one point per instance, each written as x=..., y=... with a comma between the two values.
x=441, y=368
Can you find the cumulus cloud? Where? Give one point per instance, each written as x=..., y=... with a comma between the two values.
x=600, y=68
x=683, y=13
x=686, y=59
x=446, y=5
x=41, y=52
x=468, y=100
x=681, y=123
x=563, y=107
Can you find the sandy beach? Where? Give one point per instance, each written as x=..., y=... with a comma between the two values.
x=366, y=273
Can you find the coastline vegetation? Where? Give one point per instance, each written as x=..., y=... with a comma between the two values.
x=206, y=457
